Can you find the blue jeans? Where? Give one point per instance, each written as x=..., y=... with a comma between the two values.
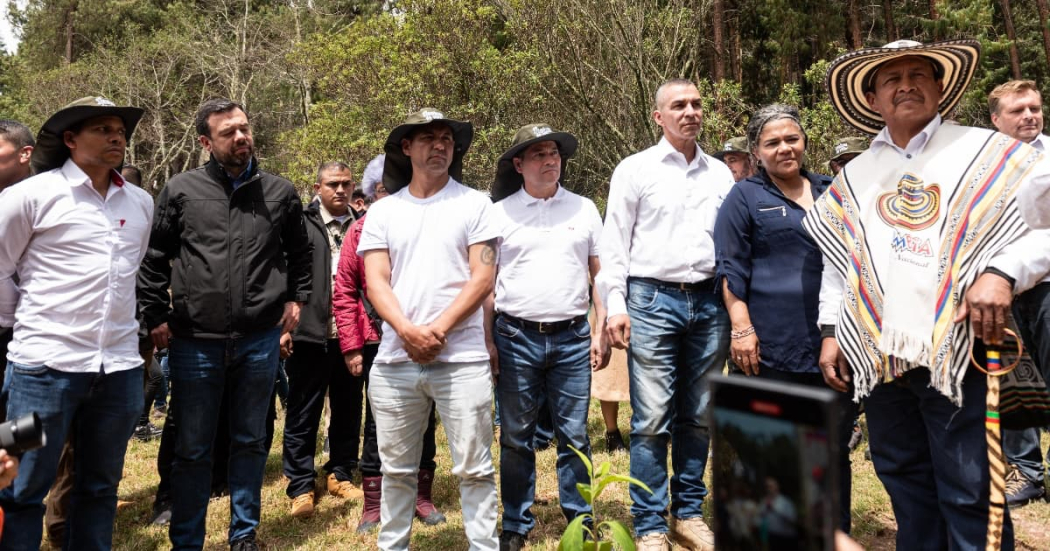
x=200, y=370
x=100, y=412
x=540, y=373
x=933, y=460
x=677, y=338
x=1032, y=312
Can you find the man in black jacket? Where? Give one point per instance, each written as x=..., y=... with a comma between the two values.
x=316, y=362
x=231, y=242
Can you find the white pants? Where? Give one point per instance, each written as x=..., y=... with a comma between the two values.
x=400, y=396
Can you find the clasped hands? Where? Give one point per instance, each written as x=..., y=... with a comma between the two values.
x=423, y=342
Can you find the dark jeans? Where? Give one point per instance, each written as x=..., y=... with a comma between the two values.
x=314, y=369
x=201, y=369
x=932, y=457
x=1032, y=314
x=848, y=409
x=371, y=465
x=154, y=379
x=542, y=374
x=99, y=411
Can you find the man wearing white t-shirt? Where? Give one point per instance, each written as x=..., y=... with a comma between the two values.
x=548, y=254
x=430, y=258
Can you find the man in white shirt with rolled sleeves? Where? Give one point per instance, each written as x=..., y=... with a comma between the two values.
x=74, y=236
x=657, y=280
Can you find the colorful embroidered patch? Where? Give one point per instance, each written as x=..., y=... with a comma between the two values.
x=914, y=206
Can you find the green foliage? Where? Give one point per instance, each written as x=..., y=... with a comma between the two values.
x=585, y=533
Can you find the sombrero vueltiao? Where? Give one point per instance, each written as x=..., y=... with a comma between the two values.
x=851, y=75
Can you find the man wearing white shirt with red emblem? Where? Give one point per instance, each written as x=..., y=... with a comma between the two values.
x=74, y=237
x=657, y=281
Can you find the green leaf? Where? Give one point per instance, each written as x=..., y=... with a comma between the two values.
x=603, y=469
x=620, y=534
x=572, y=539
x=586, y=492
x=586, y=461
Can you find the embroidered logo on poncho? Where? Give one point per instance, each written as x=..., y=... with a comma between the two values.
x=914, y=206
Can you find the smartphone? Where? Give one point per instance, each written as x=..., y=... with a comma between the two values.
x=775, y=482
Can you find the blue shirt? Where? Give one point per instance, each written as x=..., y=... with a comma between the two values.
x=771, y=263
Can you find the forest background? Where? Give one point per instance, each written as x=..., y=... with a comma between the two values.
x=328, y=79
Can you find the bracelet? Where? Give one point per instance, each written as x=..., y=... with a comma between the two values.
x=750, y=330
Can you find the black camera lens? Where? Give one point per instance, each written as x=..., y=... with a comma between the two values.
x=22, y=435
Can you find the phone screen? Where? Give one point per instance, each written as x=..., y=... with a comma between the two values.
x=774, y=483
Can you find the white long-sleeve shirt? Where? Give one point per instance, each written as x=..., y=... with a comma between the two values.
x=76, y=255
x=659, y=220
x=1027, y=259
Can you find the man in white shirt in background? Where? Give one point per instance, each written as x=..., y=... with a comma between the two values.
x=657, y=281
x=1016, y=108
x=546, y=353
x=430, y=258
x=74, y=237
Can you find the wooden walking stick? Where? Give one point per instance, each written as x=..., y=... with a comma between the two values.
x=994, y=369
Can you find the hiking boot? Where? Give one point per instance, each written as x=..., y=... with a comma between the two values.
x=511, y=541
x=692, y=533
x=614, y=442
x=425, y=509
x=654, y=542
x=303, y=505
x=343, y=488
x=147, y=432
x=246, y=543
x=1020, y=490
x=161, y=513
x=373, y=490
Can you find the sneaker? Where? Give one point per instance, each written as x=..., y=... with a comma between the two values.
x=161, y=514
x=245, y=544
x=856, y=438
x=654, y=542
x=1020, y=490
x=147, y=432
x=614, y=441
x=343, y=488
x=511, y=541
x=692, y=533
x=303, y=505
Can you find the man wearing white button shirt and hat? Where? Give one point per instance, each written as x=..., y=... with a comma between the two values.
x=657, y=282
x=74, y=235
x=546, y=353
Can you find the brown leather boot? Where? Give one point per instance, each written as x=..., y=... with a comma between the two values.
x=425, y=509
x=373, y=488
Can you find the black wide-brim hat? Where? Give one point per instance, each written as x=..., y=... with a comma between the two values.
x=50, y=151
x=852, y=74
x=397, y=168
x=508, y=179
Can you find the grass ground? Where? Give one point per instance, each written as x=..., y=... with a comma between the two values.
x=331, y=525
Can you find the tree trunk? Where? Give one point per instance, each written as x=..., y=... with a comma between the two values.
x=69, y=31
x=853, y=15
x=735, y=50
x=717, y=24
x=887, y=15
x=1044, y=14
x=1015, y=57
x=934, y=16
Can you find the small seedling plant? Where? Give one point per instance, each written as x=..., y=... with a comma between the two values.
x=585, y=533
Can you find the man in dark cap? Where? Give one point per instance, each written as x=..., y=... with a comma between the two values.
x=230, y=241
x=737, y=157
x=547, y=257
x=430, y=259
x=844, y=151
x=73, y=238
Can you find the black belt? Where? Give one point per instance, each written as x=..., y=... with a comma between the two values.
x=544, y=327
x=707, y=285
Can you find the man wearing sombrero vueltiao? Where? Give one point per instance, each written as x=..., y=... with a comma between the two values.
x=923, y=245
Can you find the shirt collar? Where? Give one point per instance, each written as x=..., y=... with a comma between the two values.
x=917, y=143
x=527, y=199
x=1040, y=143
x=665, y=150
x=236, y=181
x=327, y=217
x=76, y=177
